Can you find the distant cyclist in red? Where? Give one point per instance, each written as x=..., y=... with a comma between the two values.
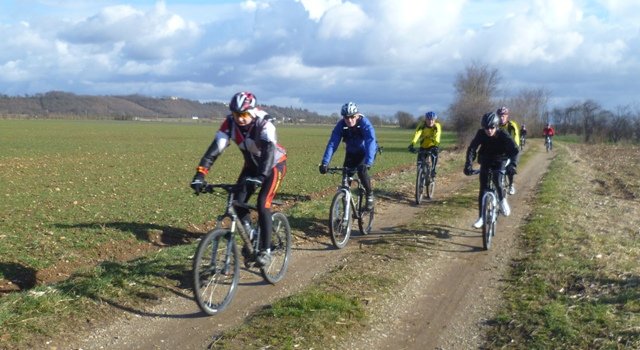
x=264, y=162
x=548, y=133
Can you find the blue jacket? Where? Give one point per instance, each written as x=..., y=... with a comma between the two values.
x=359, y=139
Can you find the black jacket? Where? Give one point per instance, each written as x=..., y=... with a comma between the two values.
x=493, y=150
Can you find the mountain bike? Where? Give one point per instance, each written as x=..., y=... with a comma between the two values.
x=215, y=265
x=425, y=182
x=490, y=209
x=547, y=143
x=523, y=140
x=348, y=203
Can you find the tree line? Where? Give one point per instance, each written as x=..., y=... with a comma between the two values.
x=65, y=105
x=476, y=92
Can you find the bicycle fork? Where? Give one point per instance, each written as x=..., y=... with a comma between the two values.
x=224, y=270
x=347, y=207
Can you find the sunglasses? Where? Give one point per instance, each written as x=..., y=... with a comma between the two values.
x=490, y=128
x=241, y=115
x=350, y=116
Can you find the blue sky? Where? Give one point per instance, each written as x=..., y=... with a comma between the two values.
x=385, y=55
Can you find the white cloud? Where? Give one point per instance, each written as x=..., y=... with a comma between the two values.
x=317, y=8
x=387, y=54
x=343, y=22
x=252, y=6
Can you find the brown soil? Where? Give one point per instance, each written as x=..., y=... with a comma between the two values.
x=445, y=306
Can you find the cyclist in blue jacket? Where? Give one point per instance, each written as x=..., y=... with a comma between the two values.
x=357, y=132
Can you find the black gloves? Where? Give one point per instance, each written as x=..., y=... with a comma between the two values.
x=323, y=168
x=511, y=169
x=468, y=169
x=411, y=148
x=198, y=184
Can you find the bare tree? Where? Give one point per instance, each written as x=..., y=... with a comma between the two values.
x=590, y=113
x=530, y=107
x=405, y=120
x=620, y=125
x=475, y=89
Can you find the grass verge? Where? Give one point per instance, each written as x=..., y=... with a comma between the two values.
x=577, y=285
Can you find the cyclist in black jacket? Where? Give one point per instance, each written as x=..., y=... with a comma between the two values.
x=497, y=151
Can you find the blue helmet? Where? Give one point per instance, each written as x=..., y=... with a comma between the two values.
x=431, y=115
x=349, y=109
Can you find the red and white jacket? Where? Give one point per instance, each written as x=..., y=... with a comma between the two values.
x=257, y=142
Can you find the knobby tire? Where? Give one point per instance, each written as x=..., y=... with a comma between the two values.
x=280, y=249
x=215, y=271
x=419, y=184
x=488, y=216
x=365, y=221
x=430, y=183
x=338, y=228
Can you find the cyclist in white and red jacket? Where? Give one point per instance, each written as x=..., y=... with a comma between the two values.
x=264, y=162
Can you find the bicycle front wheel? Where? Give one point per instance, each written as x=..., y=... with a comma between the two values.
x=280, y=249
x=215, y=271
x=489, y=210
x=340, y=220
x=420, y=175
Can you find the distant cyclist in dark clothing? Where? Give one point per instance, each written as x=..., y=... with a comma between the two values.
x=497, y=151
x=264, y=162
x=357, y=132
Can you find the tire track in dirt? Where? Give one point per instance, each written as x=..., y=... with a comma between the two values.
x=450, y=297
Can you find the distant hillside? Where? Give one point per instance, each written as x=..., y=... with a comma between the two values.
x=57, y=104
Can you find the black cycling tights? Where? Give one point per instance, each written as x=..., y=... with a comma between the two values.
x=356, y=160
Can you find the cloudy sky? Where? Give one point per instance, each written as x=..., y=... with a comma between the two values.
x=386, y=55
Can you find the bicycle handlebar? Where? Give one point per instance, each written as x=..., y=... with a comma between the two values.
x=340, y=170
x=210, y=188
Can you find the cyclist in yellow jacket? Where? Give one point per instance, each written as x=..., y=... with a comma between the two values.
x=512, y=128
x=428, y=135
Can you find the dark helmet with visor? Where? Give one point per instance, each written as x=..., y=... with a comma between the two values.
x=490, y=120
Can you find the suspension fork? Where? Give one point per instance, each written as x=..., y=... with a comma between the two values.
x=348, y=203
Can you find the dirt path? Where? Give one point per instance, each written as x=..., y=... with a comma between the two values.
x=443, y=309
x=453, y=295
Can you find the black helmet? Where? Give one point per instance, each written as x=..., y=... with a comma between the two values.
x=490, y=120
x=242, y=102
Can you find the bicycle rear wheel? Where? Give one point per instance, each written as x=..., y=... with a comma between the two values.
x=489, y=208
x=215, y=271
x=280, y=249
x=339, y=228
x=430, y=183
x=420, y=175
x=365, y=221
